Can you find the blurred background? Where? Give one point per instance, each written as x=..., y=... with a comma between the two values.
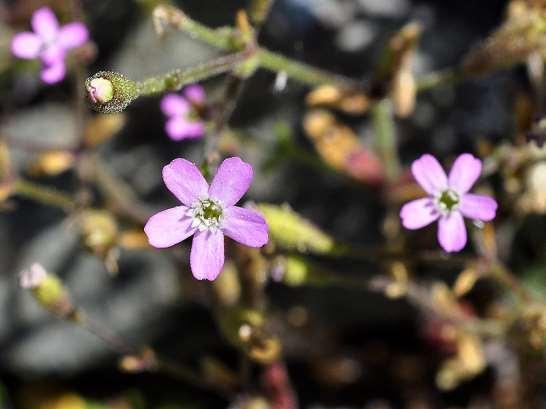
x=333, y=326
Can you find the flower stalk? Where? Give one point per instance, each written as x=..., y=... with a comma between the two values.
x=245, y=58
x=385, y=137
x=176, y=79
x=43, y=195
x=229, y=39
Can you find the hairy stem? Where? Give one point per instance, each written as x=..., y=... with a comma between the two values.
x=227, y=39
x=176, y=79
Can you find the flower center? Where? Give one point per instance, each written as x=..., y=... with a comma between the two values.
x=207, y=214
x=448, y=200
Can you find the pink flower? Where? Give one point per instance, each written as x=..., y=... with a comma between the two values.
x=182, y=113
x=33, y=277
x=208, y=213
x=448, y=199
x=49, y=42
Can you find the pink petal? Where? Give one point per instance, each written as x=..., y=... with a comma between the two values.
x=452, y=232
x=464, y=173
x=45, y=24
x=246, y=226
x=53, y=54
x=73, y=35
x=231, y=181
x=195, y=94
x=207, y=254
x=478, y=207
x=174, y=105
x=52, y=74
x=418, y=213
x=428, y=172
x=179, y=128
x=169, y=227
x=185, y=181
x=26, y=45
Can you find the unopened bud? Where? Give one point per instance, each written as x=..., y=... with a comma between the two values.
x=144, y=361
x=99, y=231
x=47, y=289
x=110, y=91
x=33, y=277
x=100, y=90
x=291, y=231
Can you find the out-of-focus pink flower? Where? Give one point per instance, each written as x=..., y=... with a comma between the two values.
x=208, y=213
x=49, y=42
x=448, y=199
x=183, y=120
x=33, y=277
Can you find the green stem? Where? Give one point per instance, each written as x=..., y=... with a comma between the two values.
x=299, y=71
x=436, y=78
x=511, y=283
x=176, y=79
x=258, y=11
x=122, y=347
x=226, y=39
x=221, y=38
x=385, y=138
x=44, y=195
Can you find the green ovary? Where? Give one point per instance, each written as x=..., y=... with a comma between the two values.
x=448, y=200
x=211, y=211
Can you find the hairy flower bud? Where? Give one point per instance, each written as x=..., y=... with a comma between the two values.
x=292, y=232
x=110, y=91
x=100, y=90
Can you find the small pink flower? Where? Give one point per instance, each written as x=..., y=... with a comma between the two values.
x=183, y=120
x=448, y=199
x=33, y=277
x=49, y=42
x=208, y=213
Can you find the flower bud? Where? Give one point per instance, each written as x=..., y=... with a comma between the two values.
x=144, y=361
x=99, y=231
x=47, y=289
x=110, y=91
x=292, y=232
x=33, y=277
x=100, y=90
x=520, y=35
x=339, y=146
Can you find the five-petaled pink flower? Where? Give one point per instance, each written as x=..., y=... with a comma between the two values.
x=182, y=113
x=49, y=42
x=448, y=199
x=208, y=213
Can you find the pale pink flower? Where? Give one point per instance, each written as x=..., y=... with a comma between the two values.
x=448, y=199
x=208, y=213
x=49, y=42
x=33, y=277
x=183, y=121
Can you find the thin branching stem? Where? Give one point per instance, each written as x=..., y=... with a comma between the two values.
x=44, y=195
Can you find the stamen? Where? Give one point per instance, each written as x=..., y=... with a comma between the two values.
x=206, y=214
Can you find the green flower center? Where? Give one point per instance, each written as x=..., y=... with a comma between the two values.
x=448, y=200
x=211, y=210
x=207, y=213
